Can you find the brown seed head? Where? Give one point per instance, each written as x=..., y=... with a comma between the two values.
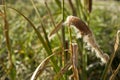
x=79, y=24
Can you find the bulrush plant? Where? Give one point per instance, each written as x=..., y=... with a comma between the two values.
x=87, y=36
x=66, y=59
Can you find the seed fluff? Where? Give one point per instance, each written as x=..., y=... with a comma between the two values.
x=87, y=36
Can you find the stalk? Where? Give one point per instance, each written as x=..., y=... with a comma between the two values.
x=6, y=32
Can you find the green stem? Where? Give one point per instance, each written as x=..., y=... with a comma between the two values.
x=63, y=32
x=63, y=39
x=42, y=25
x=6, y=32
x=84, y=62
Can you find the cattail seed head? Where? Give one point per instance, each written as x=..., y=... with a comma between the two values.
x=87, y=35
x=79, y=24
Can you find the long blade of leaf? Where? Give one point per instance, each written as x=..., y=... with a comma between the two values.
x=42, y=25
x=59, y=25
x=48, y=50
x=41, y=67
x=112, y=57
x=11, y=70
x=52, y=20
x=37, y=32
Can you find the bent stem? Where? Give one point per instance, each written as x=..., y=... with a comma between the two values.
x=41, y=67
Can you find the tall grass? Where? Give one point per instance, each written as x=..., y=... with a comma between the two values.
x=10, y=70
x=66, y=56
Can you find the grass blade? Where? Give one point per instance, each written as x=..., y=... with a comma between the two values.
x=108, y=66
x=51, y=17
x=115, y=73
x=48, y=50
x=42, y=25
x=6, y=32
x=72, y=7
x=41, y=67
x=37, y=32
x=11, y=69
x=58, y=27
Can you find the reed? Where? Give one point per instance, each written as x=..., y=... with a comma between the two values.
x=68, y=52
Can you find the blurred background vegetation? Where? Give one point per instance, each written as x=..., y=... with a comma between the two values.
x=27, y=52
